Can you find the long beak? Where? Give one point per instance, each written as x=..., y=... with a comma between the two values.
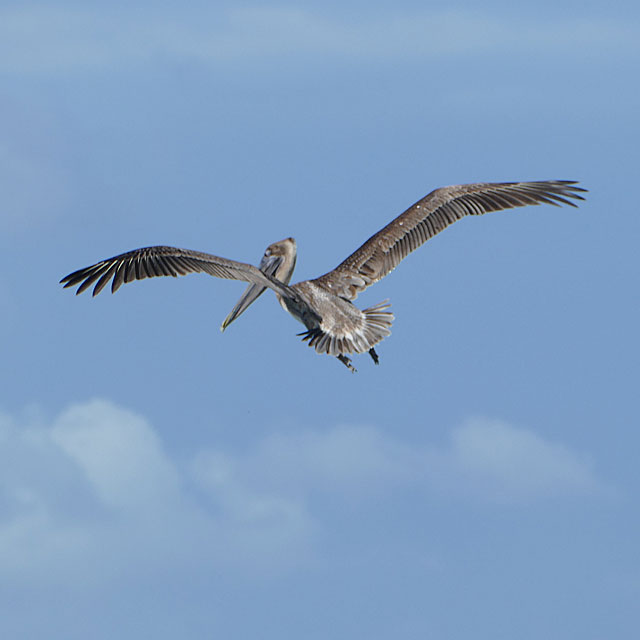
x=268, y=265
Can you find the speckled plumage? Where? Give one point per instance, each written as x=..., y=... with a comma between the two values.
x=324, y=305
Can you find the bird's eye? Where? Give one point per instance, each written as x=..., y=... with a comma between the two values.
x=267, y=253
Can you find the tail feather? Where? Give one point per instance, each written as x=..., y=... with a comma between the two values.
x=376, y=326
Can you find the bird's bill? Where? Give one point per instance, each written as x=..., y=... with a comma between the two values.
x=252, y=293
x=268, y=265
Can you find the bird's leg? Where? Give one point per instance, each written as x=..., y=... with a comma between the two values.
x=346, y=362
x=374, y=355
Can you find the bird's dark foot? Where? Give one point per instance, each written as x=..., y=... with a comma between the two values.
x=374, y=355
x=347, y=363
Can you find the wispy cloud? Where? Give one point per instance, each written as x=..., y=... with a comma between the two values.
x=492, y=460
x=120, y=455
x=46, y=39
x=95, y=490
x=485, y=460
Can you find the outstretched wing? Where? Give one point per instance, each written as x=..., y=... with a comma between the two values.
x=382, y=253
x=150, y=262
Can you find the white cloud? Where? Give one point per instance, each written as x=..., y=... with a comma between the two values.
x=485, y=460
x=496, y=461
x=95, y=493
x=120, y=454
x=44, y=39
x=351, y=459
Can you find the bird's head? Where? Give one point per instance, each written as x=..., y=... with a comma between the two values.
x=279, y=260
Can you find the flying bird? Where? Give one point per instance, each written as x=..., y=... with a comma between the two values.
x=334, y=325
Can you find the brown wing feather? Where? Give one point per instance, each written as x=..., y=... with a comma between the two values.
x=386, y=249
x=150, y=262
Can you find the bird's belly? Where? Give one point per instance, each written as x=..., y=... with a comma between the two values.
x=321, y=309
x=301, y=312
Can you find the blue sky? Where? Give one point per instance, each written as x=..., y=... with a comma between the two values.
x=160, y=478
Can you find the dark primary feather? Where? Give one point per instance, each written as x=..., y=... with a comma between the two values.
x=386, y=249
x=150, y=262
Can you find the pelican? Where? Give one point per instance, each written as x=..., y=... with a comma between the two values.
x=334, y=325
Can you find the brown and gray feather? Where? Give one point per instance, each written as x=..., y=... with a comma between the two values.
x=150, y=262
x=382, y=253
